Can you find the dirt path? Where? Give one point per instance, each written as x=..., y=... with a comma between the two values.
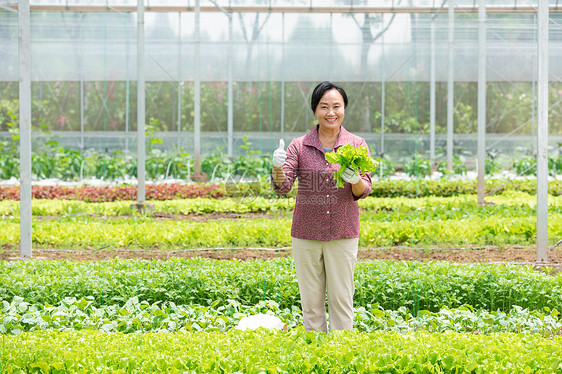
x=463, y=255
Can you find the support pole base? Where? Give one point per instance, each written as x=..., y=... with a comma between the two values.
x=547, y=267
x=199, y=177
x=143, y=208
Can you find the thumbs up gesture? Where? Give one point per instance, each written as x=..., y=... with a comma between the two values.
x=279, y=155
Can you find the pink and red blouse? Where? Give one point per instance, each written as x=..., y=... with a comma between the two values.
x=322, y=211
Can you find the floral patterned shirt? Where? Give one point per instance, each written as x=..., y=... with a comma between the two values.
x=322, y=211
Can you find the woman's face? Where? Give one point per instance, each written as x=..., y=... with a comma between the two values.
x=330, y=110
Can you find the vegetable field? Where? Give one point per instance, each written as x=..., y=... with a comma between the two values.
x=178, y=314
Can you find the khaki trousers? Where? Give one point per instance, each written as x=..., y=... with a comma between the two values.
x=326, y=267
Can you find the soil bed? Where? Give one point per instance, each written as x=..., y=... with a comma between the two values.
x=515, y=254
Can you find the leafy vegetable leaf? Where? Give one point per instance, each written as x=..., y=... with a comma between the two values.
x=349, y=156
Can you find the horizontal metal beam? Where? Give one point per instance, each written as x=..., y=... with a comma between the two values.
x=254, y=9
x=3, y=7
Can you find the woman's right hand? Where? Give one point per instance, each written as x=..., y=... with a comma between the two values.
x=279, y=155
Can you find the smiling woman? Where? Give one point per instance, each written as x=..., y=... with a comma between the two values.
x=325, y=227
x=328, y=104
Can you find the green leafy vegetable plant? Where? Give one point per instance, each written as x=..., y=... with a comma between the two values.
x=140, y=316
x=264, y=351
x=416, y=286
x=349, y=156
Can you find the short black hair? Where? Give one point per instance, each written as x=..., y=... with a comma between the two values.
x=321, y=89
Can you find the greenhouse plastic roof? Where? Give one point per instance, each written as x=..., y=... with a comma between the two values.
x=290, y=3
x=275, y=45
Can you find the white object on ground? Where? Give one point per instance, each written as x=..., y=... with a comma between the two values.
x=261, y=320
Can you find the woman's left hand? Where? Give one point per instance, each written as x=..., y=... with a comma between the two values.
x=350, y=175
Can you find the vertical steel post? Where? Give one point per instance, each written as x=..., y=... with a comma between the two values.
x=383, y=93
x=282, y=125
x=230, y=119
x=81, y=106
x=331, y=47
x=82, y=101
x=197, y=96
x=450, y=85
x=127, y=89
x=533, y=93
x=432, y=94
x=141, y=116
x=24, y=55
x=230, y=124
x=180, y=85
x=542, y=134
x=127, y=109
x=482, y=45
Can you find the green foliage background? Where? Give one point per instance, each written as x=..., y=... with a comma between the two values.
x=257, y=106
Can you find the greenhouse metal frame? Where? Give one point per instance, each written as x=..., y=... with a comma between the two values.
x=441, y=57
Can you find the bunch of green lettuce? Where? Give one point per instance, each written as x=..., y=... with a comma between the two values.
x=356, y=157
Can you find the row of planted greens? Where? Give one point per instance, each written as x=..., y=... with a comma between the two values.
x=385, y=285
x=381, y=188
x=509, y=203
x=257, y=222
x=296, y=351
x=72, y=314
x=180, y=316
x=380, y=229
